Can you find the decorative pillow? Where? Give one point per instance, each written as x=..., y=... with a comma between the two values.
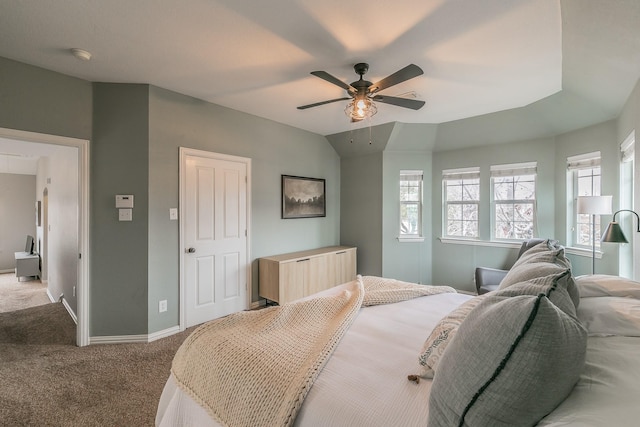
x=545, y=251
x=514, y=359
x=441, y=335
x=542, y=260
x=554, y=286
x=597, y=285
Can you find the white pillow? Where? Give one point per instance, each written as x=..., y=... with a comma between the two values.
x=603, y=285
x=607, y=316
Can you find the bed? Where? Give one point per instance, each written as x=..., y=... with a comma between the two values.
x=364, y=381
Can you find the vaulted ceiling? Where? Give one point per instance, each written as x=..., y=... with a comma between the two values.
x=478, y=56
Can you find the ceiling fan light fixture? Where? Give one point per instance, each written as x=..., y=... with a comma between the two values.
x=358, y=109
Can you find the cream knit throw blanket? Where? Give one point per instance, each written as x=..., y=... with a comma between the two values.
x=256, y=367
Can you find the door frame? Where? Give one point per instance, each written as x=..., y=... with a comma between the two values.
x=184, y=152
x=82, y=329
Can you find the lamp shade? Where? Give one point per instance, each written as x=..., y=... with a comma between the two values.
x=594, y=205
x=614, y=234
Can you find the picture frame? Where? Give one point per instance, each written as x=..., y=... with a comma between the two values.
x=303, y=197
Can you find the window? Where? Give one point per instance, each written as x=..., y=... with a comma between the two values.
x=628, y=265
x=513, y=189
x=461, y=193
x=410, y=203
x=584, y=171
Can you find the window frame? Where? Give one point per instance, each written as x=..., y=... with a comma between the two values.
x=418, y=176
x=576, y=164
x=513, y=171
x=628, y=265
x=465, y=174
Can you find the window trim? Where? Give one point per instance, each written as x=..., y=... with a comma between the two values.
x=419, y=236
x=512, y=170
x=576, y=163
x=459, y=174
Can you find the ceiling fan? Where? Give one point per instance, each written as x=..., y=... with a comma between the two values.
x=362, y=93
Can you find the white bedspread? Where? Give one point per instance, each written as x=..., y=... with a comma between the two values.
x=365, y=381
x=370, y=364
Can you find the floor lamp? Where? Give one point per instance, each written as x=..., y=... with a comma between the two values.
x=594, y=205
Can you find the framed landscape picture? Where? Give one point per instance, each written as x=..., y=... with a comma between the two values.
x=303, y=197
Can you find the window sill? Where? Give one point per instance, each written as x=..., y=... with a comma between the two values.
x=408, y=239
x=583, y=252
x=476, y=242
x=516, y=244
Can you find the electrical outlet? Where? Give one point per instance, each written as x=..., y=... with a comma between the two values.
x=162, y=306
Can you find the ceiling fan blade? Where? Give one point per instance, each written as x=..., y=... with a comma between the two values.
x=400, y=102
x=304, y=107
x=328, y=77
x=408, y=72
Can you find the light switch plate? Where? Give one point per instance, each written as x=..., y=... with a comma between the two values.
x=173, y=214
x=125, y=214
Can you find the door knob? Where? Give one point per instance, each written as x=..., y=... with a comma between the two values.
x=190, y=250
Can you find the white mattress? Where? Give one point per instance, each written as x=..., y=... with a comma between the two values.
x=365, y=381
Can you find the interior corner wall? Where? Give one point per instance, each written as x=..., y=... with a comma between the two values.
x=408, y=261
x=119, y=165
x=361, y=210
x=275, y=149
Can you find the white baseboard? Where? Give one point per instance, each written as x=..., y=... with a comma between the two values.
x=140, y=338
x=163, y=334
x=66, y=306
x=118, y=339
x=11, y=270
x=70, y=311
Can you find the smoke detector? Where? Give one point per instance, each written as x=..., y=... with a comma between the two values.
x=81, y=54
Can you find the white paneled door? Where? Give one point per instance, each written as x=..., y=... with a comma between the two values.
x=215, y=237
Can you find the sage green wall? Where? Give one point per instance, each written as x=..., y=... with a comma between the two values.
x=406, y=261
x=361, y=213
x=454, y=264
x=38, y=100
x=601, y=137
x=119, y=165
x=274, y=149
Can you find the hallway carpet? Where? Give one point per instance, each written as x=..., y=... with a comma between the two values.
x=47, y=381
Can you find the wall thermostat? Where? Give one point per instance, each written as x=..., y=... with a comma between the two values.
x=124, y=200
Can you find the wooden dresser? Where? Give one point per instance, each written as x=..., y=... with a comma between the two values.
x=287, y=277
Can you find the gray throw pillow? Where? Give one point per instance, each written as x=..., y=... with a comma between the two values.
x=542, y=260
x=556, y=286
x=512, y=361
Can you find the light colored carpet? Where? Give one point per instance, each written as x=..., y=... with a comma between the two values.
x=15, y=295
x=45, y=380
